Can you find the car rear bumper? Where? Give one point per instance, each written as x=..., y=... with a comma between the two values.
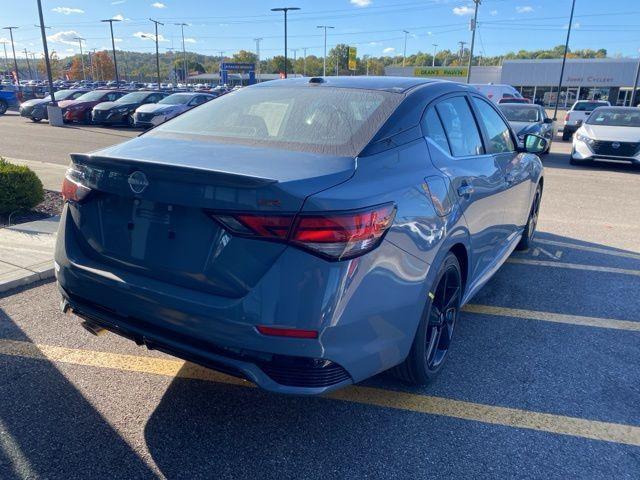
x=361, y=331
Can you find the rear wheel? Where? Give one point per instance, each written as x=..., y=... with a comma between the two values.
x=35, y=119
x=87, y=117
x=435, y=332
x=532, y=222
x=3, y=107
x=130, y=120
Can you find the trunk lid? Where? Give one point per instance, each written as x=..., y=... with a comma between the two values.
x=147, y=212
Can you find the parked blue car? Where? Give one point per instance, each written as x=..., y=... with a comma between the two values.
x=304, y=234
x=9, y=98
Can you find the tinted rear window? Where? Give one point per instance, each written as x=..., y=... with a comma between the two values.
x=614, y=117
x=587, y=106
x=334, y=121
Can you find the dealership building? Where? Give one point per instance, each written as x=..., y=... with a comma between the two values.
x=593, y=78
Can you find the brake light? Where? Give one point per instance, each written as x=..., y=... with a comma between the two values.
x=336, y=236
x=286, y=332
x=72, y=189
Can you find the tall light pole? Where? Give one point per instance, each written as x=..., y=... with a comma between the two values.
x=472, y=25
x=404, y=51
x=324, y=63
x=156, y=23
x=635, y=85
x=285, y=10
x=6, y=59
x=304, y=61
x=295, y=58
x=46, y=55
x=258, y=40
x=433, y=59
x=35, y=65
x=113, y=48
x=13, y=47
x=80, y=40
x=564, y=59
x=184, y=53
x=26, y=54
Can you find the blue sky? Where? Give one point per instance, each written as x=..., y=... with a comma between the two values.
x=374, y=26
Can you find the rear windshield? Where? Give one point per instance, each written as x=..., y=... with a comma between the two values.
x=587, y=106
x=176, y=99
x=615, y=117
x=333, y=121
x=92, y=96
x=521, y=114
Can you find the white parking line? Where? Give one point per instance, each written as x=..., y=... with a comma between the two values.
x=573, y=266
x=604, y=251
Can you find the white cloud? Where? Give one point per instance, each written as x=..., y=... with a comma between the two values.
x=67, y=10
x=389, y=50
x=373, y=44
x=66, y=37
x=361, y=3
x=70, y=50
x=493, y=13
x=150, y=36
x=465, y=10
x=118, y=40
x=190, y=40
x=158, y=5
x=525, y=9
x=118, y=17
x=118, y=2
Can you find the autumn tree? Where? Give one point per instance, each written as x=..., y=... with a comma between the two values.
x=103, y=66
x=75, y=70
x=54, y=62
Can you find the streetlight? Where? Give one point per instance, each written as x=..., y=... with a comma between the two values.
x=184, y=52
x=404, y=52
x=564, y=60
x=295, y=58
x=433, y=59
x=13, y=47
x=285, y=10
x=258, y=40
x=156, y=23
x=80, y=40
x=324, y=63
x=473, y=26
x=113, y=47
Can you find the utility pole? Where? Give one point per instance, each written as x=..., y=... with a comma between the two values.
x=6, y=59
x=473, y=25
x=258, y=40
x=156, y=23
x=80, y=40
x=113, y=48
x=337, y=56
x=295, y=58
x=13, y=47
x=94, y=70
x=564, y=59
x=35, y=65
x=285, y=10
x=404, y=51
x=433, y=59
x=184, y=53
x=635, y=85
x=324, y=63
x=46, y=55
x=304, y=62
x=461, y=53
x=366, y=59
x=26, y=54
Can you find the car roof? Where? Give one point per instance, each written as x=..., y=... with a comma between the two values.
x=388, y=84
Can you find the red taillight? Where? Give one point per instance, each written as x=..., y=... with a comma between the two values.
x=336, y=236
x=73, y=190
x=566, y=117
x=287, y=332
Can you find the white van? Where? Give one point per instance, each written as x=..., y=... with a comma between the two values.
x=495, y=92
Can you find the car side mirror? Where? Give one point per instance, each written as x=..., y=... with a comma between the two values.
x=535, y=143
x=579, y=123
x=548, y=120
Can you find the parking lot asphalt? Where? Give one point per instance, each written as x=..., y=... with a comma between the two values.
x=543, y=380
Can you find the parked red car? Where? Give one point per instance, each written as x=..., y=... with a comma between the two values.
x=79, y=110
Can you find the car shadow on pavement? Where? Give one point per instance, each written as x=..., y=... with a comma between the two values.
x=558, y=160
x=47, y=427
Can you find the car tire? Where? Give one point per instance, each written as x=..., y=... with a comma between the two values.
x=566, y=135
x=432, y=341
x=3, y=107
x=87, y=118
x=35, y=119
x=130, y=121
x=532, y=222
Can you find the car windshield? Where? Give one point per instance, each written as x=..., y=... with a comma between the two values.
x=60, y=95
x=335, y=121
x=134, y=97
x=614, y=117
x=521, y=114
x=92, y=96
x=587, y=106
x=176, y=99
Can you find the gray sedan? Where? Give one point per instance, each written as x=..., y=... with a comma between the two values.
x=529, y=119
x=153, y=114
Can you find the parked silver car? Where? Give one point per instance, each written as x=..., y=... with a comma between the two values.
x=151, y=115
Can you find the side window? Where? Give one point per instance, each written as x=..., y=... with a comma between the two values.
x=197, y=100
x=112, y=97
x=154, y=98
x=432, y=126
x=497, y=130
x=460, y=127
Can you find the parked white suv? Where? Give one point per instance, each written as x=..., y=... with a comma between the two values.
x=579, y=112
x=495, y=92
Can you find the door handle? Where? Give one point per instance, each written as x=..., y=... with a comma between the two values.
x=465, y=190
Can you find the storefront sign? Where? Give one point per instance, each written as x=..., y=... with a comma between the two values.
x=440, y=72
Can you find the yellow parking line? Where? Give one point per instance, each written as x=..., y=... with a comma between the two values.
x=586, y=248
x=574, y=266
x=554, y=317
x=508, y=417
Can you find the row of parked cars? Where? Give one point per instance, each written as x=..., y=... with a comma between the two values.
x=116, y=107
